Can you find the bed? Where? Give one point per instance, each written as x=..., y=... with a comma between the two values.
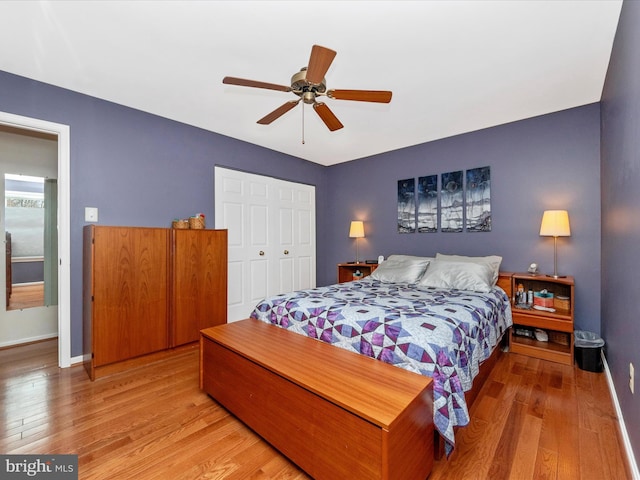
x=439, y=317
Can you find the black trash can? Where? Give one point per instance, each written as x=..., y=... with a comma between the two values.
x=588, y=350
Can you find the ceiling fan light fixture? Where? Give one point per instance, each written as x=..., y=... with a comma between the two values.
x=300, y=85
x=308, y=84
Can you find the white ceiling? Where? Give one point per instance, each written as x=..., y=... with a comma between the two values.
x=453, y=66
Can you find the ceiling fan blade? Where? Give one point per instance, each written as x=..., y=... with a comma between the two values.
x=319, y=62
x=252, y=83
x=278, y=112
x=327, y=116
x=379, y=96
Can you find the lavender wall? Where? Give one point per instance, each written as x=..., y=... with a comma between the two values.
x=548, y=162
x=621, y=214
x=140, y=169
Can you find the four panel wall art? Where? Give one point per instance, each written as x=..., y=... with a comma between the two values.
x=463, y=203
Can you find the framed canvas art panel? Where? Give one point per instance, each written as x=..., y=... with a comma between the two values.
x=428, y=204
x=451, y=202
x=478, y=200
x=407, y=205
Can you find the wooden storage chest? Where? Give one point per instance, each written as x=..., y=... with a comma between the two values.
x=334, y=413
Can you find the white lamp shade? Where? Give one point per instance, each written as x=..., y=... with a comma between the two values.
x=357, y=229
x=555, y=223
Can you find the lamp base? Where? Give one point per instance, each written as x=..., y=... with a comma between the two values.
x=557, y=276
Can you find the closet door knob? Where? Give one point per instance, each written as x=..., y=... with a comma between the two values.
x=286, y=252
x=261, y=253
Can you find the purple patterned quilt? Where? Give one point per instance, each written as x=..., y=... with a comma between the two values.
x=444, y=334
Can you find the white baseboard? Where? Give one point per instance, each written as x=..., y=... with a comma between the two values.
x=78, y=360
x=20, y=341
x=73, y=361
x=623, y=428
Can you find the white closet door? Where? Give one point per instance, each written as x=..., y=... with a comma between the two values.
x=295, y=237
x=271, y=226
x=304, y=228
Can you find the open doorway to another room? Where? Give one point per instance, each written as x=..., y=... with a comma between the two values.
x=54, y=138
x=29, y=172
x=31, y=241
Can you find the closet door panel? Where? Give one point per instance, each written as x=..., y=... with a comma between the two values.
x=258, y=280
x=259, y=226
x=304, y=278
x=233, y=213
x=305, y=252
x=130, y=300
x=235, y=290
x=285, y=274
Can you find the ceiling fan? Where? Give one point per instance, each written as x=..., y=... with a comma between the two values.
x=308, y=84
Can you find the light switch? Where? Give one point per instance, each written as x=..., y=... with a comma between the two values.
x=90, y=214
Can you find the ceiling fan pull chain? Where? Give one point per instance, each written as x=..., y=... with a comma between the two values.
x=303, y=123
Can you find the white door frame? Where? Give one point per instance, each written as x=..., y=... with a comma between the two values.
x=64, y=231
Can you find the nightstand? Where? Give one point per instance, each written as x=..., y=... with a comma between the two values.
x=558, y=324
x=346, y=270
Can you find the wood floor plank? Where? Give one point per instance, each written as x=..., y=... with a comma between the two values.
x=505, y=452
x=614, y=462
x=471, y=453
x=546, y=467
x=549, y=439
x=532, y=419
x=524, y=463
x=591, y=466
x=566, y=424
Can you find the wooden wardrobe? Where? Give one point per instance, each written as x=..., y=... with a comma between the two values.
x=147, y=291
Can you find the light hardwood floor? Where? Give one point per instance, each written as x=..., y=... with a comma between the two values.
x=533, y=419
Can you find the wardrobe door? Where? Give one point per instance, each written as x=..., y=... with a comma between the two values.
x=271, y=226
x=199, y=282
x=130, y=308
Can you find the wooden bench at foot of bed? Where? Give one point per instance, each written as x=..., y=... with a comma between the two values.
x=334, y=413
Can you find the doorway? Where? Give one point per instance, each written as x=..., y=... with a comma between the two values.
x=30, y=224
x=35, y=127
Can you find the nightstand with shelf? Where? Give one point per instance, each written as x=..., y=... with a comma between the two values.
x=558, y=324
x=346, y=270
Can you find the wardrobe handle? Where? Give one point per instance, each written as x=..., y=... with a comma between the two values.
x=286, y=252
x=261, y=253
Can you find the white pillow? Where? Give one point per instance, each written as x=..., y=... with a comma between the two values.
x=458, y=275
x=493, y=261
x=401, y=269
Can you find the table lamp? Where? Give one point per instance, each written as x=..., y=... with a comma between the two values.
x=555, y=223
x=356, y=231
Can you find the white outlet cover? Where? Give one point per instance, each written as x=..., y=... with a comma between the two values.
x=90, y=214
